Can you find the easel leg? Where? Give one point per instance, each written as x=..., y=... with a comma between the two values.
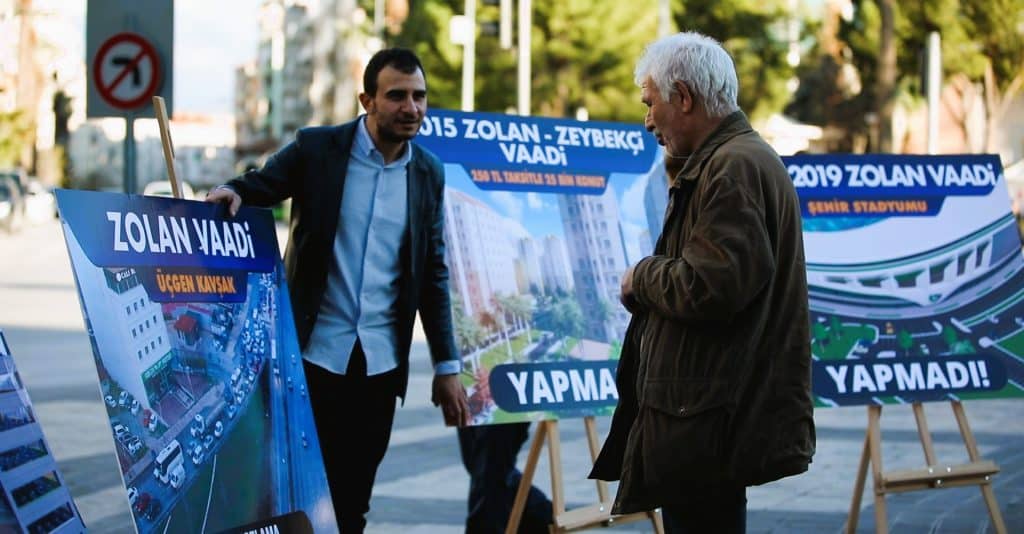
x=591, y=427
x=655, y=515
x=524, y=483
x=858, y=487
x=555, y=461
x=875, y=442
x=972, y=453
x=925, y=435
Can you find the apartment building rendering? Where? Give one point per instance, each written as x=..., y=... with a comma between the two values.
x=126, y=327
x=481, y=255
x=597, y=254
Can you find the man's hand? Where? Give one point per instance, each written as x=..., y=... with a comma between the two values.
x=626, y=295
x=227, y=196
x=451, y=396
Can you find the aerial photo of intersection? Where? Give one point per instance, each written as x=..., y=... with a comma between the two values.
x=938, y=294
x=207, y=402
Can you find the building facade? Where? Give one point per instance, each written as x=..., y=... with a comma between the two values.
x=481, y=258
x=598, y=258
x=128, y=329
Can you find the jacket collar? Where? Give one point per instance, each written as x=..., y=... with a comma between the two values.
x=345, y=136
x=732, y=125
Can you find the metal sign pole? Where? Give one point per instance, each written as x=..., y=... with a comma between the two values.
x=130, y=186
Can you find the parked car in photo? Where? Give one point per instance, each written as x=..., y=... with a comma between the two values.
x=177, y=477
x=218, y=429
x=111, y=401
x=135, y=406
x=120, y=430
x=40, y=203
x=134, y=445
x=12, y=203
x=162, y=188
x=154, y=509
x=142, y=503
x=133, y=495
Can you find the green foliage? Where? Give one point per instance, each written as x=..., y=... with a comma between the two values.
x=820, y=333
x=15, y=136
x=561, y=316
x=835, y=327
x=905, y=340
x=582, y=55
x=973, y=33
x=996, y=28
x=752, y=31
x=950, y=337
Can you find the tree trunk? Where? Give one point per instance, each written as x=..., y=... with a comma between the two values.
x=996, y=104
x=885, y=82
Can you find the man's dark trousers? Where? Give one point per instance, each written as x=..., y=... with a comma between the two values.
x=353, y=414
x=489, y=454
x=712, y=508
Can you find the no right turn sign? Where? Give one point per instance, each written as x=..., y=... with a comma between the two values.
x=126, y=71
x=129, y=51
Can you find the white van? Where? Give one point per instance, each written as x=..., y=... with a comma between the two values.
x=177, y=476
x=168, y=461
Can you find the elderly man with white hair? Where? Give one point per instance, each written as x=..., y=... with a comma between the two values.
x=715, y=373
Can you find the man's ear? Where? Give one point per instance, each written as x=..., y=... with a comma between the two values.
x=366, y=100
x=686, y=99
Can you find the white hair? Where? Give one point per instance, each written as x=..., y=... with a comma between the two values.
x=696, y=60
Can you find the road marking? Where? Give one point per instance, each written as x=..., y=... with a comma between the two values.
x=209, y=497
x=1007, y=352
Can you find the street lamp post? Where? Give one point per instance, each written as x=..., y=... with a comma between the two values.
x=469, y=58
x=525, y=23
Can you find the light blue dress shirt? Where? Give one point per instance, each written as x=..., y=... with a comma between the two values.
x=363, y=278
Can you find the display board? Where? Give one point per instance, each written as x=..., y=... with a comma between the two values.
x=916, y=278
x=33, y=495
x=542, y=217
x=191, y=327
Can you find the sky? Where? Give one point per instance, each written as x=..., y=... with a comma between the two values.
x=211, y=38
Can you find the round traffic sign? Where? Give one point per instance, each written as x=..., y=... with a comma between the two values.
x=126, y=71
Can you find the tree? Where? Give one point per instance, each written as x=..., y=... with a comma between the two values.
x=522, y=312
x=835, y=327
x=905, y=340
x=996, y=25
x=950, y=337
x=586, y=51
x=884, y=43
x=567, y=320
x=752, y=33
x=469, y=335
x=500, y=310
x=820, y=334
x=885, y=81
x=15, y=137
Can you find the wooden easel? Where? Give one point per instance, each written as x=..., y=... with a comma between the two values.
x=596, y=515
x=165, y=139
x=977, y=472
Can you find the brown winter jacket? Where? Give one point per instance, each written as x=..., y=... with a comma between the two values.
x=715, y=374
